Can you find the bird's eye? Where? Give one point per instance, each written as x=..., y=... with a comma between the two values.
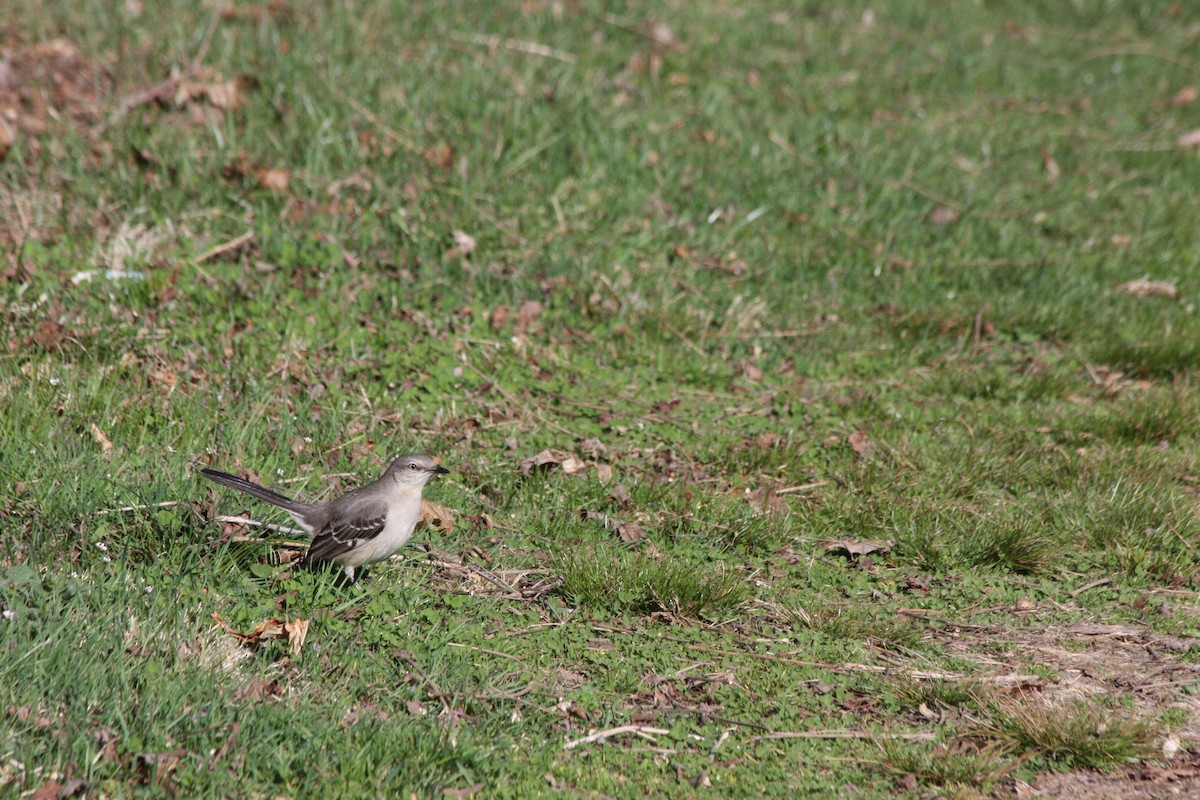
x=412, y=466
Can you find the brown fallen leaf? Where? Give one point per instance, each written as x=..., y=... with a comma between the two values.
x=464, y=244
x=629, y=532
x=499, y=317
x=159, y=767
x=293, y=631
x=258, y=691
x=941, y=215
x=274, y=179
x=1189, y=139
x=545, y=460
x=748, y=370
x=221, y=94
x=436, y=516
x=101, y=439
x=854, y=548
x=572, y=465
x=1147, y=288
x=49, y=334
x=442, y=156
x=860, y=444
x=6, y=138
x=1186, y=96
x=47, y=791
x=525, y=316
x=1050, y=165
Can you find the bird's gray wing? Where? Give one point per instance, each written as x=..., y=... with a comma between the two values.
x=352, y=522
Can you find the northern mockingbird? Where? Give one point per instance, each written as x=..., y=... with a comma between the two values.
x=359, y=528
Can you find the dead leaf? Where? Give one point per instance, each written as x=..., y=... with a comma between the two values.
x=629, y=532
x=1189, y=139
x=437, y=517
x=165, y=379
x=572, y=465
x=293, y=631
x=226, y=95
x=941, y=215
x=499, y=317
x=1186, y=96
x=547, y=459
x=464, y=243
x=442, y=156
x=159, y=766
x=258, y=691
x=1050, y=165
x=1147, y=288
x=49, y=334
x=47, y=791
x=274, y=179
x=526, y=314
x=221, y=94
x=854, y=548
x=604, y=472
x=6, y=138
x=468, y=791
x=101, y=438
x=1170, y=746
x=748, y=369
x=860, y=444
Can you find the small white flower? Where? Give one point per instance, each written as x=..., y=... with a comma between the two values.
x=149, y=590
x=102, y=546
x=106, y=559
x=10, y=614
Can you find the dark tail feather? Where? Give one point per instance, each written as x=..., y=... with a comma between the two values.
x=261, y=492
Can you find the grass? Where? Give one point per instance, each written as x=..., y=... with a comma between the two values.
x=1080, y=735
x=613, y=581
x=823, y=299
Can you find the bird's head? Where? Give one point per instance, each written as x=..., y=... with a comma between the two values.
x=415, y=469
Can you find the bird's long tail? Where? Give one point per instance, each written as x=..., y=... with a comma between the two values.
x=261, y=492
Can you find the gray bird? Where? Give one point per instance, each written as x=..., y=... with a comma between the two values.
x=359, y=528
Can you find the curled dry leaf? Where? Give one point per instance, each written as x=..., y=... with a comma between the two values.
x=748, y=369
x=1147, y=288
x=573, y=466
x=860, y=444
x=1050, y=165
x=1189, y=139
x=1186, y=96
x=630, y=532
x=942, y=215
x=274, y=179
x=436, y=516
x=6, y=138
x=547, y=459
x=464, y=243
x=101, y=439
x=499, y=317
x=293, y=631
x=526, y=314
x=854, y=548
x=258, y=691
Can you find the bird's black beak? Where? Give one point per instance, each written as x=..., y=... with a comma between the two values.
x=440, y=470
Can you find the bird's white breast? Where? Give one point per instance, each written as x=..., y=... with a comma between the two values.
x=404, y=510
